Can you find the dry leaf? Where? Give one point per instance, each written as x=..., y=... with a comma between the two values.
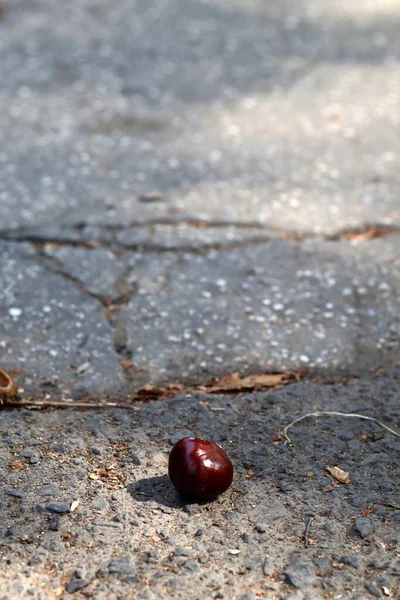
x=82, y=368
x=338, y=474
x=8, y=387
x=15, y=464
x=369, y=234
x=126, y=364
x=368, y=511
x=149, y=392
x=234, y=382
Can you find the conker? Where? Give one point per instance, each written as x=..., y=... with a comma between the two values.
x=199, y=469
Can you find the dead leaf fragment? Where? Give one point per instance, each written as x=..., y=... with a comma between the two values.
x=82, y=368
x=74, y=505
x=154, y=196
x=8, y=387
x=338, y=474
x=126, y=364
x=368, y=511
x=234, y=382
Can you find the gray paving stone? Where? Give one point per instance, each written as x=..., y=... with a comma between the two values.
x=311, y=304
x=97, y=269
x=49, y=329
x=263, y=123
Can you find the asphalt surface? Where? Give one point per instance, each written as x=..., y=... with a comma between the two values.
x=188, y=189
x=132, y=536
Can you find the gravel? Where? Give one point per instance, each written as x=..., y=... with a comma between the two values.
x=133, y=529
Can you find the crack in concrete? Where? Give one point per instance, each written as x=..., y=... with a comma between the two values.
x=363, y=233
x=110, y=307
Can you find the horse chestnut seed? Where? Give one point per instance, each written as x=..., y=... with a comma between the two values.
x=199, y=469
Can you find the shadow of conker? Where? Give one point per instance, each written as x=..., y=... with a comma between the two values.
x=159, y=489
x=155, y=489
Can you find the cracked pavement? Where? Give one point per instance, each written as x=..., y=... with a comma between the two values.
x=137, y=160
x=190, y=188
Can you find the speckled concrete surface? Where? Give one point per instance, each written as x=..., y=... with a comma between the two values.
x=280, y=114
x=74, y=315
x=185, y=180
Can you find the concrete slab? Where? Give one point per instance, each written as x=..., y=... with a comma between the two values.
x=284, y=115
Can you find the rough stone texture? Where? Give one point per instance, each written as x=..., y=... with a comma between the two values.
x=134, y=534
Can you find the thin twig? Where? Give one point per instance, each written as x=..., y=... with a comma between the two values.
x=394, y=506
x=307, y=531
x=336, y=414
x=67, y=404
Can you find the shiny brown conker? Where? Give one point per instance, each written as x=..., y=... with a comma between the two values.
x=199, y=469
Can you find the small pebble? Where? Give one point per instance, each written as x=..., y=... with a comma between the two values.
x=15, y=493
x=99, y=504
x=48, y=489
x=96, y=451
x=268, y=567
x=27, y=453
x=75, y=584
x=57, y=507
x=192, y=565
x=300, y=574
x=351, y=560
x=54, y=523
x=373, y=589
x=364, y=526
x=379, y=564
x=121, y=566
x=58, y=447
